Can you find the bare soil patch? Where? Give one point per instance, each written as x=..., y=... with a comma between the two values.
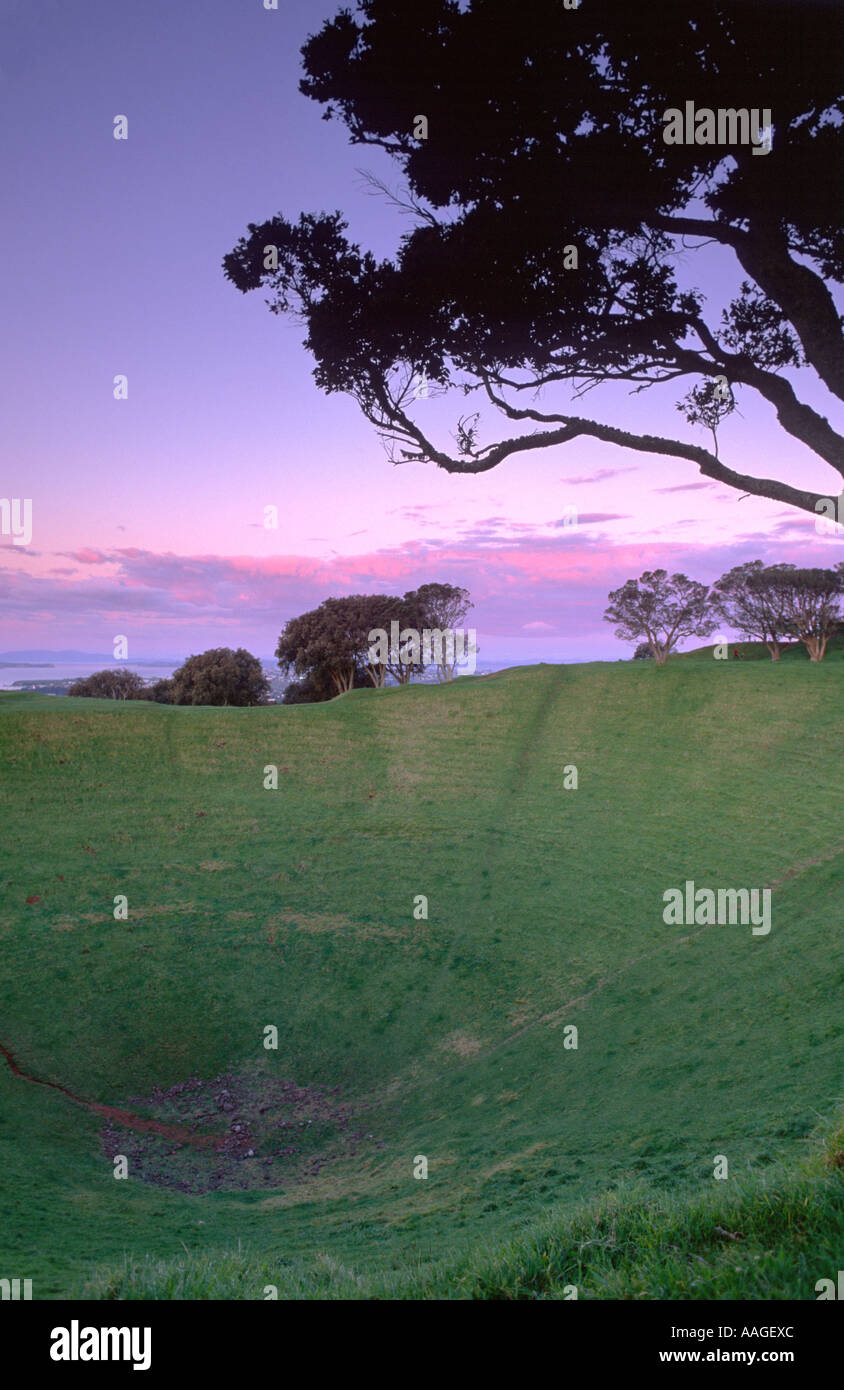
x=462, y=1045
x=233, y=1133
x=240, y=1132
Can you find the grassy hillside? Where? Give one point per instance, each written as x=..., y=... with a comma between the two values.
x=446, y=1037
x=757, y=651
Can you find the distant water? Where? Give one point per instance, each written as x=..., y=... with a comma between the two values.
x=73, y=670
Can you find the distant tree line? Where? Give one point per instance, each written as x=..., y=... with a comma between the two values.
x=773, y=604
x=216, y=677
x=329, y=650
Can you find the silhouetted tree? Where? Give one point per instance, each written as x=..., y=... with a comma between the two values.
x=552, y=218
x=661, y=609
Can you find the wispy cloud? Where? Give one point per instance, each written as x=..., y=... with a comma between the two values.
x=85, y=556
x=549, y=583
x=598, y=476
x=684, y=487
x=592, y=518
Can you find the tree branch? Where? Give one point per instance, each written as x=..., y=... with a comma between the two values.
x=797, y=419
x=573, y=427
x=800, y=293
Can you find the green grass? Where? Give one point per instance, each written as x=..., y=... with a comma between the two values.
x=782, y=1234
x=295, y=908
x=757, y=651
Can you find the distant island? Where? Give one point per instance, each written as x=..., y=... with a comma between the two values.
x=58, y=686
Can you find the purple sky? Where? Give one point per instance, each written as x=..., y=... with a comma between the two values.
x=148, y=513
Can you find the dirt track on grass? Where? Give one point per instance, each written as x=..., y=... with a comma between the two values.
x=265, y=1132
x=117, y=1115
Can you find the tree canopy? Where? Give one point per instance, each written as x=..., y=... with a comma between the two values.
x=330, y=644
x=333, y=648
x=551, y=221
x=763, y=602
x=220, y=676
x=752, y=599
x=660, y=609
x=118, y=684
x=811, y=607
x=442, y=608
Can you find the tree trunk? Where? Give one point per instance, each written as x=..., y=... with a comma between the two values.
x=815, y=646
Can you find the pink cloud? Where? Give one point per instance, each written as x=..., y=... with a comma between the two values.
x=87, y=556
x=525, y=584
